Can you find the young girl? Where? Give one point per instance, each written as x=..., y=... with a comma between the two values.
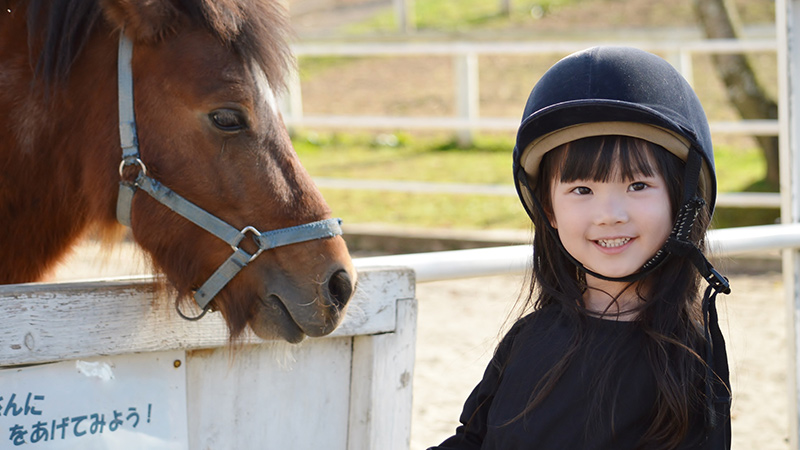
x=618, y=348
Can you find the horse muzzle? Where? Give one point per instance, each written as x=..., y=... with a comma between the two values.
x=291, y=311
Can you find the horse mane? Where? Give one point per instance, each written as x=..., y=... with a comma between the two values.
x=256, y=30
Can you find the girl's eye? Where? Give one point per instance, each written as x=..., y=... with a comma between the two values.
x=638, y=186
x=582, y=190
x=229, y=120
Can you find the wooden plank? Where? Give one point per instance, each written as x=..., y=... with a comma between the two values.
x=247, y=400
x=787, y=22
x=467, y=92
x=52, y=322
x=505, y=7
x=526, y=47
x=404, y=13
x=373, y=308
x=764, y=127
x=381, y=387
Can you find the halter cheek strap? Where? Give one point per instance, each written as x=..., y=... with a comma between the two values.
x=232, y=236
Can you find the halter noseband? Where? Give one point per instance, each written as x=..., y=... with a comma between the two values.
x=239, y=258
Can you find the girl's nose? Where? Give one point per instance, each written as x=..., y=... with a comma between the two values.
x=610, y=211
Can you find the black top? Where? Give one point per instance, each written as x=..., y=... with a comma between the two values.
x=575, y=415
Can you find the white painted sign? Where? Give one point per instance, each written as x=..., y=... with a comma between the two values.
x=124, y=402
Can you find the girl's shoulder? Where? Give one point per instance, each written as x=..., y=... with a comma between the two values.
x=542, y=324
x=548, y=313
x=543, y=318
x=552, y=323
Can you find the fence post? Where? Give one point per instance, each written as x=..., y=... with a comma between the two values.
x=291, y=102
x=787, y=20
x=681, y=59
x=406, y=19
x=505, y=7
x=467, y=93
x=686, y=65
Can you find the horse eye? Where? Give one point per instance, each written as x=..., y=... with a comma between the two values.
x=228, y=120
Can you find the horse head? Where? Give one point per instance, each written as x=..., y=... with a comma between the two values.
x=205, y=76
x=209, y=129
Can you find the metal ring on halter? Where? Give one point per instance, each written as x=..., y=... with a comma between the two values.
x=240, y=238
x=191, y=319
x=131, y=160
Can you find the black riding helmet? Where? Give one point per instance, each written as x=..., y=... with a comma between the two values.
x=629, y=92
x=625, y=91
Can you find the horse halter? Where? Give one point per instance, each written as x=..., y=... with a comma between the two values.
x=239, y=258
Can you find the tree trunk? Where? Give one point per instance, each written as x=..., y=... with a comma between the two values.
x=718, y=18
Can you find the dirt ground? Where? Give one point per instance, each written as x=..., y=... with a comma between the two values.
x=460, y=322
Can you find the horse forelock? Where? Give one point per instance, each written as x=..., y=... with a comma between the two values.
x=257, y=30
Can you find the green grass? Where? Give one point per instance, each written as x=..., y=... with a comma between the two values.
x=310, y=66
x=738, y=169
x=438, y=159
x=459, y=15
x=431, y=159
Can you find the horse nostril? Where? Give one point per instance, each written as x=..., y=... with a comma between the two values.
x=340, y=287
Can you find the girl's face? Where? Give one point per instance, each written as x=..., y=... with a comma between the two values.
x=612, y=227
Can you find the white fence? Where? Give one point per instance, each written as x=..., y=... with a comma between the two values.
x=114, y=367
x=465, y=79
x=466, y=84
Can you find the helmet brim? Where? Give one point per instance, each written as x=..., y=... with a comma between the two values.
x=558, y=124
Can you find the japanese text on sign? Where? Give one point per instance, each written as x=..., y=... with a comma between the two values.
x=64, y=427
x=123, y=402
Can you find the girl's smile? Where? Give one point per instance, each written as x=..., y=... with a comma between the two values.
x=613, y=245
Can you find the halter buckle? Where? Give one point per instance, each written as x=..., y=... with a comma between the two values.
x=256, y=234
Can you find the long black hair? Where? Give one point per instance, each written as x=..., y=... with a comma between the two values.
x=670, y=311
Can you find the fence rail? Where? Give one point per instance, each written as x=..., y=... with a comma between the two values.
x=513, y=259
x=729, y=200
x=703, y=46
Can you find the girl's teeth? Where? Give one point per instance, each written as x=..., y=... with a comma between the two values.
x=608, y=243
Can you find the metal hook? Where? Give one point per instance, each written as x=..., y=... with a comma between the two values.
x=191, y=319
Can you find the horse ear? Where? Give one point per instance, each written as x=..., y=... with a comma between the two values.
x=143, y=21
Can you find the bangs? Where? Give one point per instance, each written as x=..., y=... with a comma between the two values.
x=606, y=159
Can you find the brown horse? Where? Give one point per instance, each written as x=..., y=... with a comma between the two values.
x=204, y=73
